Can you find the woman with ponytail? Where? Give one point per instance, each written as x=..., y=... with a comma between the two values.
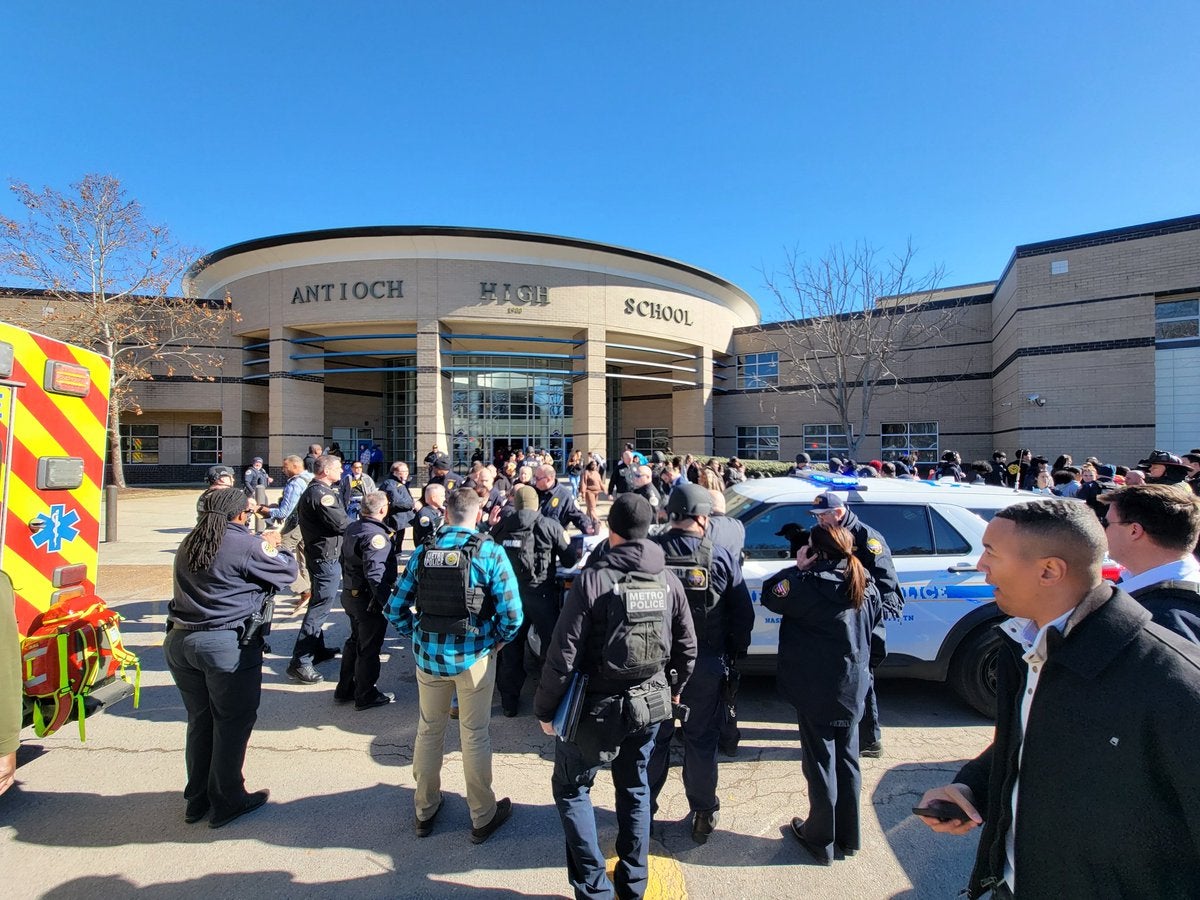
x=223, y=574
x=828, y=603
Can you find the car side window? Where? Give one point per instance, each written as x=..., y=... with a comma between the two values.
x=762, y=542
x=946, y=538
x=905, y=527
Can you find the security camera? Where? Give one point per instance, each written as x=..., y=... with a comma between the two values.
x=1036, y=399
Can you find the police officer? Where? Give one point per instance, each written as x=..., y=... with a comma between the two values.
x=630, y=589
x=223, y=574
x=368, y=574
x=218, y=478
x=724, y=617
x=872, y=551
x=1162, y=467
x=323, y=520
x=534, y=544
x=557, y=501
x=256, y=477
x=431, y=515
x=439, y=473
x=401, y=504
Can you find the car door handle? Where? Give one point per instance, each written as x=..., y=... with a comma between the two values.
x=963, y=567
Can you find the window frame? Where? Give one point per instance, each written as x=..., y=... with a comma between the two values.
x=822, y=431
x=126, y=439
x=894, y=452
x=205, y=457
x=1192, y=318
x=757, y=370
x=763, y=446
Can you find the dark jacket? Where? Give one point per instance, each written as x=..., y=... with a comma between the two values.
x=369, y=561
x=824, y=642
x=569, y=647
x=245, y=570
x=559, y=503
x=873, y=552
x=400, y=503
x=550, y=544
x=1109, y=802
x=322, y=521
x=1175, y=605
x=729, y=623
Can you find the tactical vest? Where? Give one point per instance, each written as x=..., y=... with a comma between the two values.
x=627, y=642
x=520, y=546
x=447, y=601
x=695, y=572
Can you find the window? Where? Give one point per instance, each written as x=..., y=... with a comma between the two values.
x=139, y=444
x=647, y=440
x=823, y=441
x=758, y=442
x=917, y=438
x=1176, y=319
x=757, y=370
x=905, y=528
x=204, y=444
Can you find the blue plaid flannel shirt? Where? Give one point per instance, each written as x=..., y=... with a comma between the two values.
x=449, y=654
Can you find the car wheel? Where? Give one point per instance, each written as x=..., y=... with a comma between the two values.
x=973, y=670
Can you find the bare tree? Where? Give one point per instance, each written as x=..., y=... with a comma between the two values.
x=108, y=275
x=851, y=317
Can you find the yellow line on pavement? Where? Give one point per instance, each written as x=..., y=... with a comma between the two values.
x=665, y=881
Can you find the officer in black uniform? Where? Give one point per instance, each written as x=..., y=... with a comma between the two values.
x=557, y=501
x=724, y=618
x=431, y=515
x=534, y=545
x=368, y=574
x=401, y=505
x=323, y=520
x=223, y=574
x=440, y=473
x=872, y=551
x=630, y=589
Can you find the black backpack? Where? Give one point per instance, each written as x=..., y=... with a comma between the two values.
x=628, y=642
x=520, y=546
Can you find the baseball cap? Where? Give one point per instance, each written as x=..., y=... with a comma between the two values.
x=630, y=516
x=827, y=500
x=216, y=473
x=257, y=459
x=441, y=461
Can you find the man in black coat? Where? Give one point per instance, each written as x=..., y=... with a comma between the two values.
x=401, y=504
x=1152, y=530
x=1089, y=788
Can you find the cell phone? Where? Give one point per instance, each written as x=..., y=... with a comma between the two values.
x=943, y=811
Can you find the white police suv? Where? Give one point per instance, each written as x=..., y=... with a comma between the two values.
x=935, y=532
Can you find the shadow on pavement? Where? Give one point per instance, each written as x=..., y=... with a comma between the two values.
x=938, y=865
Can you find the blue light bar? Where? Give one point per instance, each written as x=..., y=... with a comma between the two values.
x=834, y=482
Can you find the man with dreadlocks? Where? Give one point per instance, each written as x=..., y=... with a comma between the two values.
x=223, y=573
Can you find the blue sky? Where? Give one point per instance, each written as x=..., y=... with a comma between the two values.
x=715, y=133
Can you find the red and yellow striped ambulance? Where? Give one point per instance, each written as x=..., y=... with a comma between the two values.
x=53, y=421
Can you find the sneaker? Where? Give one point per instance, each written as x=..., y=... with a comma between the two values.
x=503, y=813
x=424, y=827
x=305, y=674
x=704, y=824
x=872, y=751
x=379, y=698
x=251, y=803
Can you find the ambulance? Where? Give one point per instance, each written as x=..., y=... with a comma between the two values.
x=53, y=430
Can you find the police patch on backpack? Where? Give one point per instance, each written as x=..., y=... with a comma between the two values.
x=632, y=643
x=692, y=578
x=447, y=602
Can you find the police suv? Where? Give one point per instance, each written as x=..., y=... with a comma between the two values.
x=935, y=532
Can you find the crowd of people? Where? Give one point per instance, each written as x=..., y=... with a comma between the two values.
x=659, y=615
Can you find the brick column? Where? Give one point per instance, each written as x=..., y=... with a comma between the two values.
x=590, y=408
x=432, y=417
x=692, y=410
x=297, y=403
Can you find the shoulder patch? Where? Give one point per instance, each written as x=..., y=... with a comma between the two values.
x=782, y=588
x=554, y=503
x=269, y=550
x=327, y=500
x=379, y=542
x=875, y=546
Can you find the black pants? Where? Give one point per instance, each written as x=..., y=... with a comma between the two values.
x=830, y=765
x=527, y=651
x=221, y=685
x=326, y=576
x=702, y=730
x=868, y=728
x=360, y=653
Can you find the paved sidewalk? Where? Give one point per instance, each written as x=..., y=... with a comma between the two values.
x=107, y=816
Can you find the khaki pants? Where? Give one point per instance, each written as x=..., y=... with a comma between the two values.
x=291, y=540
x=474, y=686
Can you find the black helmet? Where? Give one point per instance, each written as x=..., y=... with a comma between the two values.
x=688, y=501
